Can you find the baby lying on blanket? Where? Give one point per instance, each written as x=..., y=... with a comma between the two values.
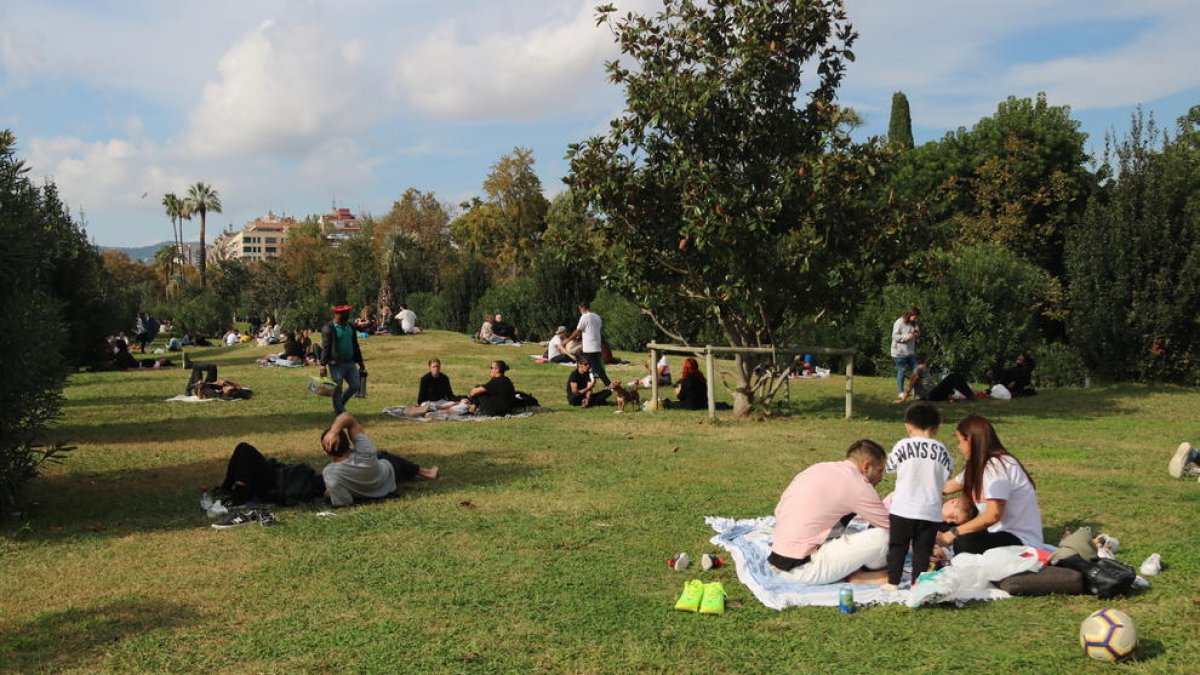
x=433, y=410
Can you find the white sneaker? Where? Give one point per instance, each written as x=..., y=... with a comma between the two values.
x=1140, y=582
x=1152, y=565
x=1107, y=545
x=1179, y=460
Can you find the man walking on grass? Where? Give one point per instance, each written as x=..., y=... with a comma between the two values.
x=341, y=358
x=590, y=332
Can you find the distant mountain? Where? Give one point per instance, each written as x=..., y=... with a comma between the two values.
x=143, y=253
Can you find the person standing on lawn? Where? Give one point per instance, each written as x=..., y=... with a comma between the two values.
x=904, y=347
x=822, y=497
x=590, y=331
x=341, y=358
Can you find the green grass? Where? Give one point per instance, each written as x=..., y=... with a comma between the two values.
x=557, y=562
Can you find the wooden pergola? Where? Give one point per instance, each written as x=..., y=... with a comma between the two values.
x=708, y=351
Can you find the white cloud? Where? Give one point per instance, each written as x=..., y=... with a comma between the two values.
x=507, y=75
x=284, y=88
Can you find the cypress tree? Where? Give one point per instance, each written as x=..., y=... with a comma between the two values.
x=900, y=126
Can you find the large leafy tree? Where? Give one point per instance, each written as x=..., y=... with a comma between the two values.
x=729, y=188
x=504, y=228
x=203, y=198
x=417, y=260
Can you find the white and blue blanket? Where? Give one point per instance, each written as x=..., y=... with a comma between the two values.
x=748, y=542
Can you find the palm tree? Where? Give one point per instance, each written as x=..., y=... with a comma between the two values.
x=202, y=198
x=165, y=259
x=173, y=205
x=396, y=247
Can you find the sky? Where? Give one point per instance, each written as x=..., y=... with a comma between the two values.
x=293, y=106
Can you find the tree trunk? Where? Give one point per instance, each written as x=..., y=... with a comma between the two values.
x=203, y=254
x=743, y=395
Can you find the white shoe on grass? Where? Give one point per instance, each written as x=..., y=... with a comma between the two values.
x=1180, y=460
x=1152, y=565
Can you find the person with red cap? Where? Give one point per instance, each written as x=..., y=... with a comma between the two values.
x=341, y=358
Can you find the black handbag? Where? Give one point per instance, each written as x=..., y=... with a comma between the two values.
x=1105, y=577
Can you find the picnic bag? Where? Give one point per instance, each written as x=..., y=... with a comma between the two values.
x=321, y=386
x=1104, y=577
x=296, y=482
x=522, y=399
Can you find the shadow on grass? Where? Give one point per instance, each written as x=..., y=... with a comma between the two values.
x=231, y=415
x=1053, y=404
x=70, y=638
x=116, y=503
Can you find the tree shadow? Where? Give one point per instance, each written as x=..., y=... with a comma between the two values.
x=72, y=637
x=1072, y=404
x=116, y=503
x=228, y=415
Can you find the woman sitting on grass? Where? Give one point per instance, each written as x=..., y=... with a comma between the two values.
x=999, y=488
x=496, y=397
x=692, y=387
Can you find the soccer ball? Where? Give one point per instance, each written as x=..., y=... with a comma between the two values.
x=1108, y=635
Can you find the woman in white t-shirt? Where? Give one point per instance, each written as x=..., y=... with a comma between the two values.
x=999, y=487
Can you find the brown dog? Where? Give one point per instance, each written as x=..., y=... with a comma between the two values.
x=626, y=395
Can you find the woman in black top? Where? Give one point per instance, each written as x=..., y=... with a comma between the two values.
x=435, y=386
x=692, y=388
x=496, y=397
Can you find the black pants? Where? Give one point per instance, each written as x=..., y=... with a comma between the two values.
x=978, y=542
x=950, y=383
x=562, y=358
x=205, y=371
x=598, y=366
x=248, y=476
x=404, y=469
x=598, y=397
x=921, y=534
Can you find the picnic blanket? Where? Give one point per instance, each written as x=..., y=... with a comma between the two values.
x=749, y=543
x=403, y=412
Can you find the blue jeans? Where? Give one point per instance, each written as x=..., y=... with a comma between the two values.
x=347, y=372
x=903, y=364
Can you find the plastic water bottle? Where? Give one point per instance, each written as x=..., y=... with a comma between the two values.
x=206, y=500
x=846, y=600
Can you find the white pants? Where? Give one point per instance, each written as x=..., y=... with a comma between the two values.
x=838, y=558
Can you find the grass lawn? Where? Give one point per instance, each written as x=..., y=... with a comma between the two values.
x=543, y=545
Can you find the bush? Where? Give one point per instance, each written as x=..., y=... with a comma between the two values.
x=309, y=312
x=979, y=307
x=463, y=288
x=1058, y=365
x=205, y=313
x=625, y=327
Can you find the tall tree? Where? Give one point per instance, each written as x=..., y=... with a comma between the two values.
x=900, y=134
x=429, y=253
x=504, y=228
x=175, y=209
x=201, y=199
x=729, y=184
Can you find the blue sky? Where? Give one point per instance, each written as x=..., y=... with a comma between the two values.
x=291, y=105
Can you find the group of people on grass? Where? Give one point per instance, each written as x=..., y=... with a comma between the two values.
x=991, y=502
x=915, y=380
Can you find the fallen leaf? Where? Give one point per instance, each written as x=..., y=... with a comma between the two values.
x=472, y=656
x=98, y=528
x=468, y=504
x=675, y=449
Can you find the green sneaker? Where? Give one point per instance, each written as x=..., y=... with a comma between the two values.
x=714, y=599
x=693, y=593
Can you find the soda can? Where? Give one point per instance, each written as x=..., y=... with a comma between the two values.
x=846, y=600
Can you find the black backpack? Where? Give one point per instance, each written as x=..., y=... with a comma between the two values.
x=525, y=400
x=1104, y=577
x=296, y=483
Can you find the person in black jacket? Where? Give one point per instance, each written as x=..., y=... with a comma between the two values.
x=341, y=358
x=692, y=387
x=1017, y=378
x=435, y=385
x=496, y=397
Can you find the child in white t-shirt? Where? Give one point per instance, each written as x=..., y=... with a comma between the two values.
x=922, y=465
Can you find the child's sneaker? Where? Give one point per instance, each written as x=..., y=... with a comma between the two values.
x=1106, y=545
x=1152, y=565
x=236, y=520
x=689, y=600
x=714, y=599
x=1180, y=460
x=679, y=562
x=708, y=562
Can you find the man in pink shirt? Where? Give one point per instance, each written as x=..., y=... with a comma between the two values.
x=818, y=499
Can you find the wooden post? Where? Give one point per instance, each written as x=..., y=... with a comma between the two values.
x=849, y=386
x=708, y=366
x=653, y=379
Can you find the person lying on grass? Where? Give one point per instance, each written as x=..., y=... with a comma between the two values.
x=357, y=470
x=822, y=497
